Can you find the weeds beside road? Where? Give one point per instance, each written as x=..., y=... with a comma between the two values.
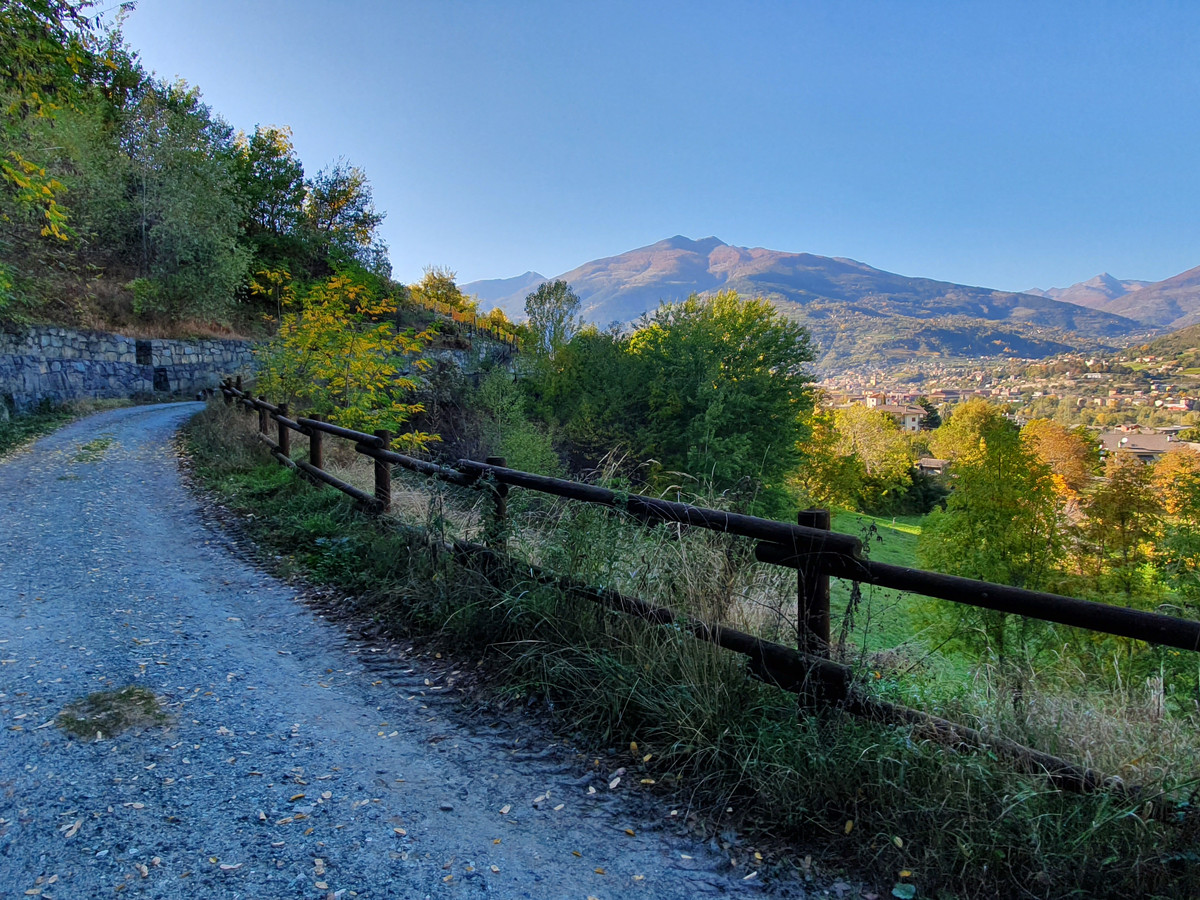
x=952, y=823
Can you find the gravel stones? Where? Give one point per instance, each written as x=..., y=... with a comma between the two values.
x=280, y=746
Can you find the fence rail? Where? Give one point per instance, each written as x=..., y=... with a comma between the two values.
x=809, y=547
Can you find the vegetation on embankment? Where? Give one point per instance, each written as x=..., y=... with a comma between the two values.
x=20, y=429
x=930, y=821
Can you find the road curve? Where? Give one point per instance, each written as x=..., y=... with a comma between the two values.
x=296, y=762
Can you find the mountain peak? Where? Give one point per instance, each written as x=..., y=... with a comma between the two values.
x=679, y=242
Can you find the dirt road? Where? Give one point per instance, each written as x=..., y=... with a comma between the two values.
x=294, y=761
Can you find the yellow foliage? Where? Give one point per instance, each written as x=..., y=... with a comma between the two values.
x=340, y=354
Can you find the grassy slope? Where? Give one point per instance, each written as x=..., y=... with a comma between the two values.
x=884, y=619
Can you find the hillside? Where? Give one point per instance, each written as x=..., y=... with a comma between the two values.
x=855, y=311
x=1171, y=303
x=1182, y=347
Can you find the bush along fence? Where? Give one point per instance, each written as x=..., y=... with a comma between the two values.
x=809, y=547
x=471, y=322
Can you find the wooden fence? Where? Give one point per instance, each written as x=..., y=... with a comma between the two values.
x=809, y=547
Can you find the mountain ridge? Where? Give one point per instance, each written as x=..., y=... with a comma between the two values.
x=832, y=295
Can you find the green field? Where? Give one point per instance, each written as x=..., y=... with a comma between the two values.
x=883, y=620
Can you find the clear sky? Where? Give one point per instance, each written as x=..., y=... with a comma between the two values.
x=1004, y=144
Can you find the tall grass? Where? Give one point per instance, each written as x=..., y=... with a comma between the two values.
x=879, y=799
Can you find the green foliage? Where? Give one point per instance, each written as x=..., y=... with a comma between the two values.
x=46, y=53
x=872, y=437
x=1000, y=524
x=185, y=203
x=826, y=476
x=1176, y=481
x=594, y=394
x=726, y=392
x=147, y=296
x=341, y=214
x=340, y=355
x=553, y=311
x=508, y=431
x=1123, y=516
x=162, y=195
x=270, y=185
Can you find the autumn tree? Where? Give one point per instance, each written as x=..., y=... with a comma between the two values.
x=46, y=51
x=1071, y=456
x=1176, y=481
x=873, y=437
x=827, y=476
x=438, y=287
x=338, y=353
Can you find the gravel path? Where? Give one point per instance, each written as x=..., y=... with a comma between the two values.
x=297, y=762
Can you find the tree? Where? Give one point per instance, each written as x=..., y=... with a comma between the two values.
x=45, y=53
x=963, y=428
x=438, y=287
x=1176, y=480
x=341, y=215
x=932, y=418
x=340, y=355
x=827, y=476
x=726, y=392
x=1122, y=517
x=594, y=394
x=1000, y=524
x=873, y=437
x=1071, y=456
x=270, y=182
x=553, y=311
x=185, y=209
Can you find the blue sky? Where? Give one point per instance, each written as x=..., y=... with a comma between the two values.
x=1004, y=144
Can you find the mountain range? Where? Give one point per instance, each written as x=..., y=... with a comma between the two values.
x=860, y=315
x=1171, y=304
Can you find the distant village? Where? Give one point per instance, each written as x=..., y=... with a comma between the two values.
x=1135, y=404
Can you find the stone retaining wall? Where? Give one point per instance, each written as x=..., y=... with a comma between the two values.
x=59, y=364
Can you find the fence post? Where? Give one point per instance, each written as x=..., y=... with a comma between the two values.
x=316, y=453
x=812, y=612
x=225, y=385
x=262, y=415
x=238, y=383
x=383, y=473
x=285, y=433
x=495, y=532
